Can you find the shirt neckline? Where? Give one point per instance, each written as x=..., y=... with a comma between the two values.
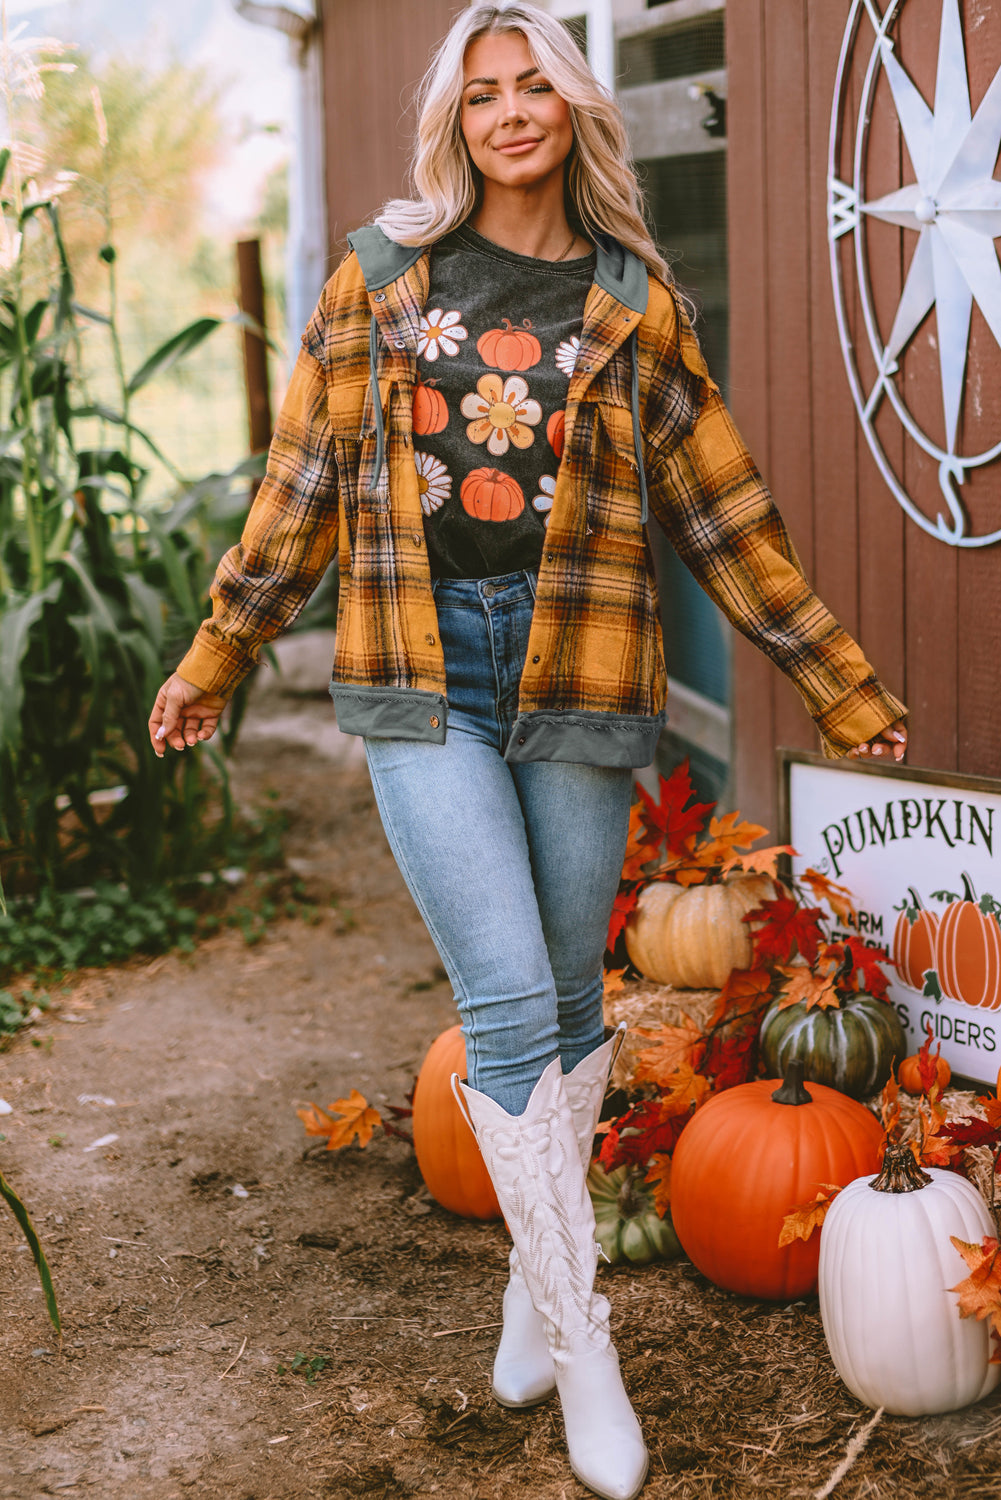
x=468, y=238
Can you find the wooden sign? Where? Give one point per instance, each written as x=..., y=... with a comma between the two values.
x=920, y=852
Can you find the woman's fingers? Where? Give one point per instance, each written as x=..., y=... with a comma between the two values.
x=183, y=715
x=890, y=741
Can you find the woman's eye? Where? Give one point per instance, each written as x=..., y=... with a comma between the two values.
x=480, y=99
x=541, y=88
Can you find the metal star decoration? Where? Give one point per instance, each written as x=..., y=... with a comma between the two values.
x=955, y=207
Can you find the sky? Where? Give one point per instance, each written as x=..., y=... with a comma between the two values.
x=250, y=62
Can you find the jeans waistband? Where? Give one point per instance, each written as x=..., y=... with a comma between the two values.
x=485, y=593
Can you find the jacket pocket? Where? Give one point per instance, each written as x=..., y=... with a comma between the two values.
x=603, y=437
x=362, y=461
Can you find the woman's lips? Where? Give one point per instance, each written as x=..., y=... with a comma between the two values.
x=517, y=148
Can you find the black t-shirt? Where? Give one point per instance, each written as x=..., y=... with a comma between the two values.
x=499, y=338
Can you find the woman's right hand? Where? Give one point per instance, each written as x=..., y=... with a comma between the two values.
x=182, y=715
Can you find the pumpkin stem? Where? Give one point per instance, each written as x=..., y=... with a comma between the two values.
x=969, y=894
x=900, y=1172
x=915, y=898
x=508, y=324
x=631, y=1196
x=791, y=1090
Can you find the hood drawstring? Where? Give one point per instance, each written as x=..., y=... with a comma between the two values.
x=380, y=430
x=637, y=434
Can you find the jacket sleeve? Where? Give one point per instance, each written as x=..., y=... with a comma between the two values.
x=718, y=514
x=289, y=538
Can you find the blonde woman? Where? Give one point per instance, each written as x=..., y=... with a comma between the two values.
x=498, y=382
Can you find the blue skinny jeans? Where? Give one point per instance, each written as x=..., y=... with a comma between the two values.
x=514, y=868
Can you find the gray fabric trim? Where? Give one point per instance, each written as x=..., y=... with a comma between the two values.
x=617, y=270
x=381, y=259
x=637, y=433
x=590, y=739
x=390, y=713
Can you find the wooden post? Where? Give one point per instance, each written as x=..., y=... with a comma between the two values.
x=255, y=350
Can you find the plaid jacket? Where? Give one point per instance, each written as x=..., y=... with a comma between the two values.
x=644, y=422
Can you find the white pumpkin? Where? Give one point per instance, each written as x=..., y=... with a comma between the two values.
x=886, y=1265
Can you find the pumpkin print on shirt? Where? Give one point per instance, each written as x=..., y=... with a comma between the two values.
x=488, y=409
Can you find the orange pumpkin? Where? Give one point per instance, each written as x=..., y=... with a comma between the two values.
x=447, y=1153
x=509, y=348
x=914, y=941
x=909, y=1074
x=746, y=1159
x=968, y=952
x=554, y=431
x=490, y=495
x=430, y=409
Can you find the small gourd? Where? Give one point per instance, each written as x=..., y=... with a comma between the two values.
x=886, y=1265
x=627, y=1226
x=909, y=1074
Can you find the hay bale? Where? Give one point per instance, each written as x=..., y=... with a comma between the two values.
x=641, y=1003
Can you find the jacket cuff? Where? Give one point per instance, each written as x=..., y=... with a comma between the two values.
x=857, y=717
x=214, y=665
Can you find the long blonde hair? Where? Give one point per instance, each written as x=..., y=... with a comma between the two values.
x=601, y=185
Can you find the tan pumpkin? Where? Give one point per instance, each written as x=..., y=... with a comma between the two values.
x=447, y=1154
x=509, y=348
x=430, y=409
x=692, y=937
x=490, y=495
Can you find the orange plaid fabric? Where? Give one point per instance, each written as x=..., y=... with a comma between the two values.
x=595, y=644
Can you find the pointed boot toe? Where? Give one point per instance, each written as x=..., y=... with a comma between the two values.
x=604, y=1440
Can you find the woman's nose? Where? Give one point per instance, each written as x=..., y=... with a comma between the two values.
x=513, y=110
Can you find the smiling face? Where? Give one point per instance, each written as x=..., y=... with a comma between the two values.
x=515, y=125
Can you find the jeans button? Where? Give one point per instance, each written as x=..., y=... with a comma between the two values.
x=488, y=591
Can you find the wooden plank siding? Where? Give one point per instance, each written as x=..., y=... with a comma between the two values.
x=928, y=615
x=375, y=53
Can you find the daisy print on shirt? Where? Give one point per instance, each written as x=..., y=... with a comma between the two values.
x=544, y=503
x=440, y=331
x=503, y=413
x=566, y=355
x=434, y=482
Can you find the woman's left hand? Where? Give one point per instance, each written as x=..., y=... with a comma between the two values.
x=892, y=740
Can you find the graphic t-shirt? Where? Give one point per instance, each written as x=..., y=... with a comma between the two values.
x=499, y=338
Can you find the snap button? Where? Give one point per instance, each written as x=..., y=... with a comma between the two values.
x=550, y=557
x=536, y=658
x=399, y=344
x=417, y=538
x=379, y=297
x=521, y=739
x=429, y=638
x=434, y=721
x=488, y=591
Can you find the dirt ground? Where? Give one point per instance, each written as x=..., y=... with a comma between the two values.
x=198, y=1247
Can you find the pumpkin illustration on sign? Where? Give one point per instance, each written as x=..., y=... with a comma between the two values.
x=968, y=948
x=430, y=409
x=489, y=495
x=509, y=348
x=914, y=940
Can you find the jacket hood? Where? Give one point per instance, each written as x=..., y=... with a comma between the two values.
x=617, y=270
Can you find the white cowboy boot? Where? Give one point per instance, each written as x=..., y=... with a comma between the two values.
x=534, y=1163
x=523, y=1372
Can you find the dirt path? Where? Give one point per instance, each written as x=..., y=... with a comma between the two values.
x=186, y=1289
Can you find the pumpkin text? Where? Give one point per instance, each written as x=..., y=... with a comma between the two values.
x=952, y=820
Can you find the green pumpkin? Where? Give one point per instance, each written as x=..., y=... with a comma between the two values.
x=851, y=1047
x=627, y=1226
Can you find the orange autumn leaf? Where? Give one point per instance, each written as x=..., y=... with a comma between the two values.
x=613, y=981
x=658, y=1177
x=763, y=861
x=933, y=1149
x=980, y=1292
x=677, y=1046
x=838, y=897
x=811, y=987
x=641, y=844
x=889, y=1109
x=727, y=835
x=800, y=1223
x=358, y=1118
x=745, y=990
x=683, y=1091
x=992, y=1109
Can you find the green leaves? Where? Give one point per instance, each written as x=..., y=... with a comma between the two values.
x=20, y=1213
x=174, y=349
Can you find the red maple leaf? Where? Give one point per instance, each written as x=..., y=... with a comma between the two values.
x=731, y=1059
x=866, y=960
x=972, y=1132
x=623, y=904
x=670, y=818
x=642, y=1132
x=786, y=928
